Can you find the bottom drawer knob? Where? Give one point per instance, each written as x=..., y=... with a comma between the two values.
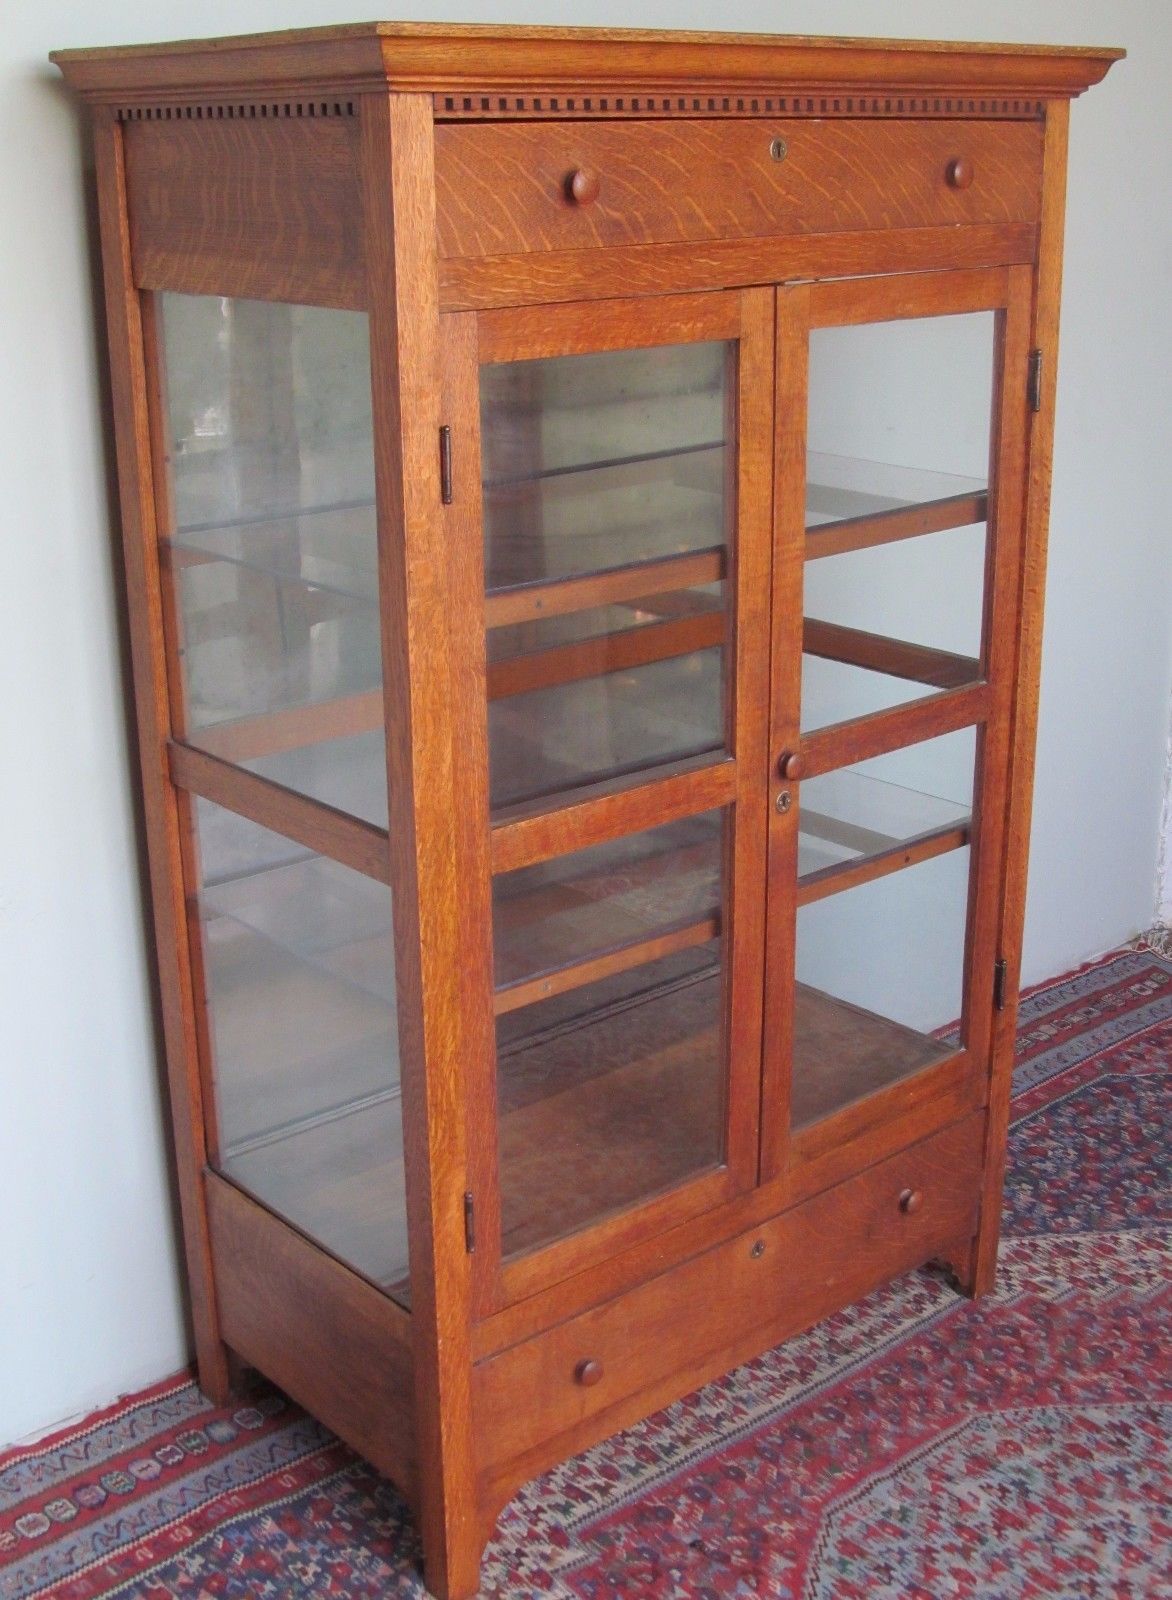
x=588, y=1373
x=910, y=1202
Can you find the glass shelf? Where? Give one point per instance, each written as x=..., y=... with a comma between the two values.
x=331, y=548
x=850, y=816
x=554, y=922
x=846, y=488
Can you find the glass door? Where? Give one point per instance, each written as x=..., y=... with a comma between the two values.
x=902, y=408
x=614, y=694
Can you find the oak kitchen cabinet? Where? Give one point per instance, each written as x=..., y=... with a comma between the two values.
x=584, y=499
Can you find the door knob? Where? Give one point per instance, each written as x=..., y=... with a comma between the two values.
x=791, y=766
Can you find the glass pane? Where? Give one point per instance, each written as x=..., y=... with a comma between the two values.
x=610, y=1043
x=273, y=549
x=609, y=1094
x=300, y=981
x=898, y=441
x=606, y=505
x=610, y=898
x=886, y=802
x=880, y=979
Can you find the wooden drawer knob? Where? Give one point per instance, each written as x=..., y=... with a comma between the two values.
x=910, y=1202
x=588, y=1373
x=959, y=172
x=582, y=186
x=791, y=766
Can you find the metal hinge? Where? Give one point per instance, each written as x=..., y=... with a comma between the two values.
x=1035, y=380
x=1000, y=980
x=469, y=1222
x=446, y=464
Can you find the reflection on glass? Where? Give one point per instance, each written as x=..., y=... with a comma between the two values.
x=300, y=986
x=896, y=509
x=609, y=1094
x=272, y=551
x=610, y=898
x=885, y=803
x=606, y=499
x=880, y=971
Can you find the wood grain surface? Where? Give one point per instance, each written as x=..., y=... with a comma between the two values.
x=445, y=57
x=501, y=190
x=266, y=209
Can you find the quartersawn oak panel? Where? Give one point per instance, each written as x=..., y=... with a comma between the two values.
x=326, y=1336
x=705, y=1314
x=502, y=189
x=264, y=208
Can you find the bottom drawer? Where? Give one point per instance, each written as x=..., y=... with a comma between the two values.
x=554, y=1394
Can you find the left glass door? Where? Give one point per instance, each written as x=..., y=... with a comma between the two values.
x=620, y=514
x=265, y=487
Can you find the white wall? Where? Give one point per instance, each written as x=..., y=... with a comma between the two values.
x=89, y=1286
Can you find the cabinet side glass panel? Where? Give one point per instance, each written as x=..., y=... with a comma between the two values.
x=896, y=501
x=607, y=493
x=299, y=976
x=272, y=542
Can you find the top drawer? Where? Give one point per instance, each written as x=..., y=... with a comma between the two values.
x=507, y=188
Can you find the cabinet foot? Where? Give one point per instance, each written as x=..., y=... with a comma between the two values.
x=221, y=1374
x=959, y=1262
x=454, y=1573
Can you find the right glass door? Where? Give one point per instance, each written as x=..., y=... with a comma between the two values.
x=896, y=543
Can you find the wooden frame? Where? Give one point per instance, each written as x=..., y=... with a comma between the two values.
x=974, y=693
x=536, y=831
x=318, y=168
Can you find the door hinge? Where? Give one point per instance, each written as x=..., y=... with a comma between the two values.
x=469, y=1222
x=1035, y=380
x=445, y=447
x=1000, y=980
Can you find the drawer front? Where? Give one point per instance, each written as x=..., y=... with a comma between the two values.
x=745, y=1295
x=507, y=189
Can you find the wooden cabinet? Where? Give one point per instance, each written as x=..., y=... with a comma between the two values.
x=584, y=504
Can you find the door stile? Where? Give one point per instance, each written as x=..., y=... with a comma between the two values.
x=396, y=144
x=462, y=518
x=130, y=385
x=1024, y=651
x=749, y=723
x=791, y=368
x=1007, y=464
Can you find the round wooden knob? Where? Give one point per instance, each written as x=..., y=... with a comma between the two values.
x=588, y=1373
x=959, y=172
x=791, y=765
x=910, y=1202
x=582, y=186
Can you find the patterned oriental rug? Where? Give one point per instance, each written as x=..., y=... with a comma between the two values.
x=915, y=1447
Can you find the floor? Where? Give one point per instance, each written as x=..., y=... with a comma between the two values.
x=914, y=1447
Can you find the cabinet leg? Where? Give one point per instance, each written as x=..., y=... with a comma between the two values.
x=220, y=1373
x=959, y=1260
x=453, y=1572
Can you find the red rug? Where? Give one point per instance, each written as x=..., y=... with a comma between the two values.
x=915, y=1447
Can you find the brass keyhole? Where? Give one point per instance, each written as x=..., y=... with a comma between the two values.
x=784, y=800
x=778, y=149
